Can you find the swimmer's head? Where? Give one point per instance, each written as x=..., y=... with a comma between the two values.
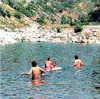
x=76, y=57
x=34, y=63
x=49, y=59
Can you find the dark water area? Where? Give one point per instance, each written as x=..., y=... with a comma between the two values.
x=67, y=83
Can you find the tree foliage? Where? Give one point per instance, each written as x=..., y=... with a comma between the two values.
x=78, y=28
x=50, y=8
x=41, y=20
x=58, y=29
x=8, y=14
x=20, y=8
x=63, y=19
x=4, y=13
x=18, y=15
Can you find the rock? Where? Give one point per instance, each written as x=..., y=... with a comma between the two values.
x=35, y=34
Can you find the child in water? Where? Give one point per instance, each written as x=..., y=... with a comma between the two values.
x=78, y=62
x=54, y=64
x=48, y=64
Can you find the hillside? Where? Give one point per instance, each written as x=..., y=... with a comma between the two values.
x=23, y=13
x=50, y=21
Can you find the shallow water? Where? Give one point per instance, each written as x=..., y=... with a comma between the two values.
x=68, y=83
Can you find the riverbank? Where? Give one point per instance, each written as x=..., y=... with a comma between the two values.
x=36, y=33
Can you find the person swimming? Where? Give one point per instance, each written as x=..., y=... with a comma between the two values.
x=35, y=70
x=54, y=64
x=78, y=63
x=48, y=64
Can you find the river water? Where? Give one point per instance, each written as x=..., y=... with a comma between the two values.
x=67, y=83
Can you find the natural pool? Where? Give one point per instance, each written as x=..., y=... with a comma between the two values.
x=65, y=84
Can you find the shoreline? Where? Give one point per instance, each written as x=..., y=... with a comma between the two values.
x=90, y=34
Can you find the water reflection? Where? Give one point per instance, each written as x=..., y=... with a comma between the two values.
x=77, y=71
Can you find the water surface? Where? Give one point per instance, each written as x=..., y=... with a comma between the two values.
x=68, y=83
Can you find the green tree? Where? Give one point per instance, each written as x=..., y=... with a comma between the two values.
x=83, y=17
x=2, y=12
x=58, y=29
x=9, y=2
x=18, y=15
x=78, y=28
x=63, y=19
x=24, y=10
x=53, y=20
x=41, y=20
x=8, y=14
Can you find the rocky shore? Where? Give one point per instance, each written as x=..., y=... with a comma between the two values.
x=90, y=34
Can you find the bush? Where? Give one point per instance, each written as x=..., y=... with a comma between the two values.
x=67, y=5
x=8, y=14
x=83, y=18
x=58, y=30
x=22, y=39
x=5, y=1
x=59, y=10
x=31, y=6
x=27, y=11
x=63, y=19
x=53, y=20
x=23, y=1
x=19, y=7
x=9, y=2
x=49, y=9
x=2, y=12
x=72, y=23
x=41, y=20
x=78, y=28
x=18, y=15
x=69, y=21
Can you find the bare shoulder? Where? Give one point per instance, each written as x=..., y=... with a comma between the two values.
x=38, y=67
x=78, y=60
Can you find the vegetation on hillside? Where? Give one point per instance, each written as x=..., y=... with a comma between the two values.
x=72, y=12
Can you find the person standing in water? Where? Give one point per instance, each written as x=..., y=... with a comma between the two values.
x=78, y=62
x=34, y=70
x=48, y=64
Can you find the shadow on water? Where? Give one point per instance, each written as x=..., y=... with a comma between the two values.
x=68, y=83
